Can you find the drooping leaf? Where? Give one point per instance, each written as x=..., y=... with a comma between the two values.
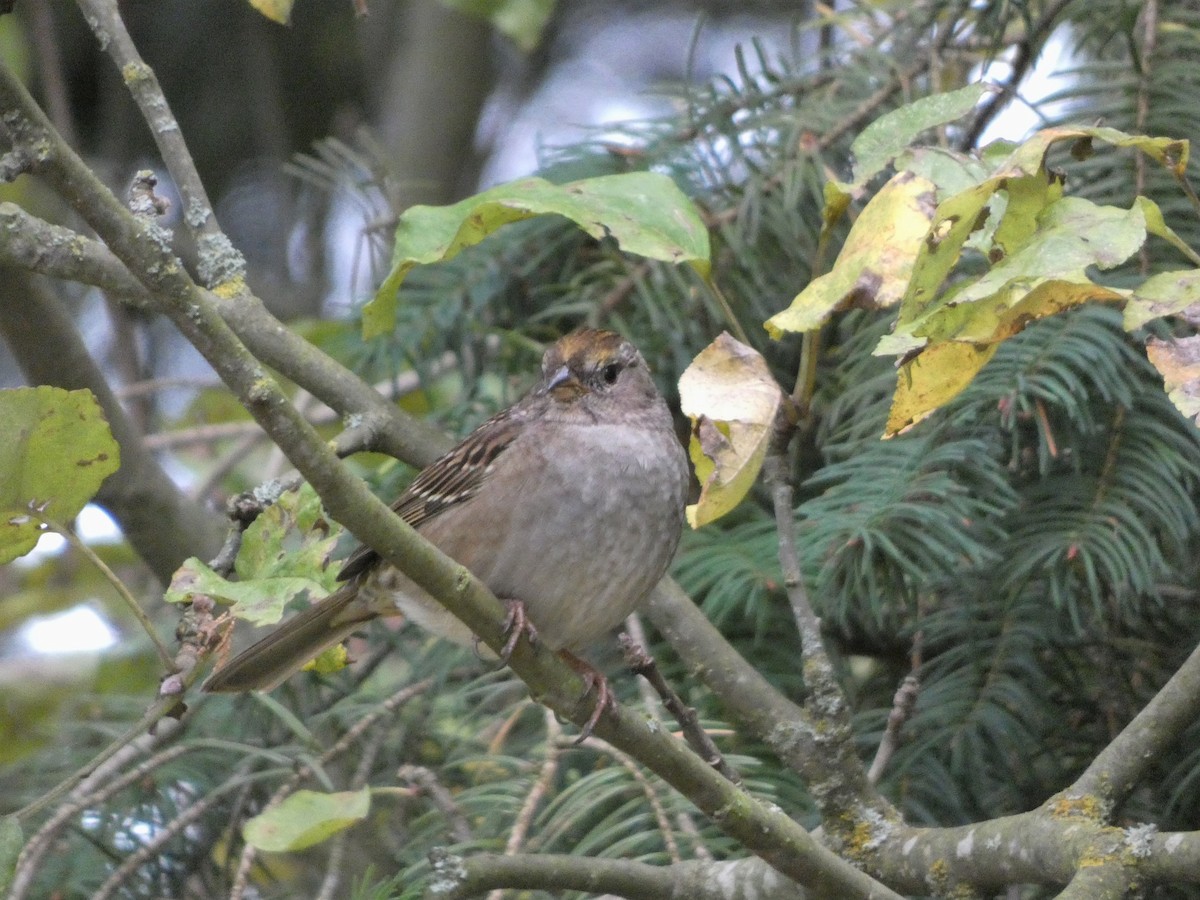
x=306, y=818
x=1047, y=274
x=645, y=212
x=1157, y=226
x=56, y=452
x=1179, y=363
x=876, y=261
x=932, y=379
x=732, y=400
x=889, y=137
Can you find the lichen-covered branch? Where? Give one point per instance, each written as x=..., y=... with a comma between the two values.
x=1116, y=770
x=461, y=877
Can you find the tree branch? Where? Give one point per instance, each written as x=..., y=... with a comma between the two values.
x=764, y=711
x=1117, y=769
x=219, y=262
x=765, y=830
x=29, y=243
x=699, y=880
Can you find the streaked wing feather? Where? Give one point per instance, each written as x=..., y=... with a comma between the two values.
x=448, y=481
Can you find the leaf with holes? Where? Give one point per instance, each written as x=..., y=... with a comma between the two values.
x=876, y=262
x=1179, y=363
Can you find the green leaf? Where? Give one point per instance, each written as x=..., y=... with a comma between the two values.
x=11, y=840
x=306, y=818
x=1165, y=294
x=1047, y=275
x=1071, y=235
x=645, y=212
x=284, y=552
x=56, y=452
x=875, y=263
x=522, y=20
x=1157, y=226
x=291, y=537
x=889, y=135
x=261, y=601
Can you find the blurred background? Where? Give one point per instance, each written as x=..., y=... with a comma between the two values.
x=980, y=551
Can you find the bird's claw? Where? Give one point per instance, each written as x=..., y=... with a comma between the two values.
x=516, y=623
x=593, y=679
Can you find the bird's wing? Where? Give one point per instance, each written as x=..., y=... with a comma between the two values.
x=448, y=481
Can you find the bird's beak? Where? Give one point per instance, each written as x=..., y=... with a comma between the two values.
x=563, y=385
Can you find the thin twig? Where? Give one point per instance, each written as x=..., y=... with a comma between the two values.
x=158, y=385
x=903, y=704
x=219, y=262
x=164, y=655
x=140, y=737
x=427, y=783
x=337, y=851
x=1027, y=48
x=642, y=663
x=1149, y=17
x=169, y=831
x=545, y=781
x=631, y=766
x=650, y=700
x=730, y=318
x=87, y=794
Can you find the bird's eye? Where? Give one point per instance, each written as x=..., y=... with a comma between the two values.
x=610, y=373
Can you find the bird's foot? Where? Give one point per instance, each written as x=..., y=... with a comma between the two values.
x=516, y=623
x=593, y=679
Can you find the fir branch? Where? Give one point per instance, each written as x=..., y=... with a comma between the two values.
x=1141, y=744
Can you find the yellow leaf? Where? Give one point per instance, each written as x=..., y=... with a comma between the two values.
x=276, y=10
x=332, y=660
x=732, y=400
x=932, y=379
x=876, y=262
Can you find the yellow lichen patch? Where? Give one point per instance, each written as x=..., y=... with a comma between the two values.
x=1086, y=807
x=133, y=72
x=939, y=875
x=230, y=288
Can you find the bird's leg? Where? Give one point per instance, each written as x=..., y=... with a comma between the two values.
x=592, y=678
x=516, y=623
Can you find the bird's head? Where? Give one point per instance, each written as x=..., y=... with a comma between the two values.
x=596, y=370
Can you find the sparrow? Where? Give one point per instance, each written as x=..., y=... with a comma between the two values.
x=568, y=505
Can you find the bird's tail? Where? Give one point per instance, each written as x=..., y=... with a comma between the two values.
x=266, y=664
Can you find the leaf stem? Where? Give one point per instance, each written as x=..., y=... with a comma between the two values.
x=164, y=655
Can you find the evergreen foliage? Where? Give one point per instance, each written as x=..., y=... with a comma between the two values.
x=1032, y=549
